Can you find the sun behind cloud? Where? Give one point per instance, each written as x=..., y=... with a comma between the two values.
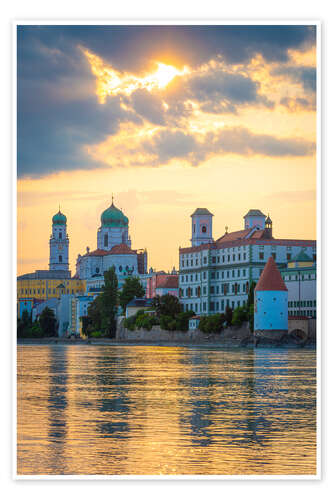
x=112, y=82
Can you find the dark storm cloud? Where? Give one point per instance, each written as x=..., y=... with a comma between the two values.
x=167, y=145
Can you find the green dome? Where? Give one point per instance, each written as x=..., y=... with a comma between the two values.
x=113, y=217
x=59, y=218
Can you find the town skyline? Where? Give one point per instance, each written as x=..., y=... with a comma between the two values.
x=229, y=126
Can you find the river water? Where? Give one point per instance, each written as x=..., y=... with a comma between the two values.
x=165, y=410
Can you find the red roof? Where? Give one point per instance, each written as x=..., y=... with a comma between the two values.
x=236, y=235
x=221, y=243
x=167, y=281
x=270, y=278
x=121, y=249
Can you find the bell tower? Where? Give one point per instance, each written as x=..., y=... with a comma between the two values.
x=59, y=243
x=202, y=227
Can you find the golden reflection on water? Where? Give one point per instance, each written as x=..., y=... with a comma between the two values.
x=165, y=410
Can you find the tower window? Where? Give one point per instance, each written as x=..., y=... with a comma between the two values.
x=204, y=229
x=106, y=240
x=60, y=258
x=60, y=235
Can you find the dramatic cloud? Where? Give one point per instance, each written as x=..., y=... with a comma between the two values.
x=167, y=145
x=79, y=86
x=297, y=104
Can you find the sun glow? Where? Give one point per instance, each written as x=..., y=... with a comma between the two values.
x=111, y=82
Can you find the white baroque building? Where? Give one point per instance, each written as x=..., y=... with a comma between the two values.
x=113, y=249
x=214, y=274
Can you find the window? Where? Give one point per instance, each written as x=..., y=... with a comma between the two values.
x=205, y=260
x=211, y=289
x=213, y=260
x=191, y=277
x=222, y=274
x=238, y=272
x=60, y=258
x=212, y=275
x=211, y=306
x=204, y=306
x=288, y=256
x=261, y=255
x=222, y=258
x=233, y=273
x=217, y=289
x=239, y=256
x=204, y=229
x=60, y=235
x=233, y=257
x=204, y=290
x=244, y=272
x=222, y=305
x=191, y=262
x=228, y=258
x=196, y=262
x=106, y=240
x=244, y=256
x=97, y=270
x=227, y=274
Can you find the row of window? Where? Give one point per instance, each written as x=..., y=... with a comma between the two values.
x=224, y=289
x=310, y=314
x=214, y=260
x=294, y=277
x=215, y=306
x=302, y=303
x=38, y=291
x=235, y=273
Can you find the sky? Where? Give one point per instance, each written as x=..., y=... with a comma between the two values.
x=166, y=119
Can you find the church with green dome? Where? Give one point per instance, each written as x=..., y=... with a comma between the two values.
x=114, y=248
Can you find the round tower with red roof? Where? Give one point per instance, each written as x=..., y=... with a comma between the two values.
x=270, y=303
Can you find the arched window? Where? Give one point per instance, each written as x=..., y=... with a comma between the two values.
x=120, y=268
x=60, y=258
x=60, y=235
x=106, y=240
x=204, y=229
x=97, y=270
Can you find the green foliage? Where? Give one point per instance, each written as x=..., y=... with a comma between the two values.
x=96, y=335
x=182, y=320
x=239, y=315
x=132, y=288
x=36, y=330
x=145, y=321
x=166, y=322
x=23, y=325
x=102, y=311
x=48, y=322
x=212, y=324
x=250, y=298
x=109, y=302
x=167, y=305
x=228, y=315
x=251, y=317
x=129, y=323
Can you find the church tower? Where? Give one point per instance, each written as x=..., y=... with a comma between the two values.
x=113, y=230
x=202, y=227
x=59, y=244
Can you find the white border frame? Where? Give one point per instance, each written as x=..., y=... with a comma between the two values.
x=319, y=201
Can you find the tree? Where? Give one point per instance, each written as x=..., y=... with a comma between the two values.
x=250, y=297
x=167, y=305
x=94, y=317
x=211, y=324
x=228, y=315
x=239, y=315
x=24, y=325
x=132, y=288
x=109, y=303
x=48, y=322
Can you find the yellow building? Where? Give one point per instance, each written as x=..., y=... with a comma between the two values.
x=41, y=287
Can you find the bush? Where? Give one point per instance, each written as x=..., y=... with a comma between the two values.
x=239, y=315
x=212, y=324
x=165, y=322
x=129, y=323
x=96, y=335
x=182, y=320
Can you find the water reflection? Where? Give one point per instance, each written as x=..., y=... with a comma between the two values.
x=165, y=410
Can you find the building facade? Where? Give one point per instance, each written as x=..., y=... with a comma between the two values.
x=215, y=275
x=59, y=244
x=113, y=249
x=270, y=303
x=300, y=277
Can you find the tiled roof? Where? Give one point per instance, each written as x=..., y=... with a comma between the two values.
x=201, y=211
x=236, y=235
x=257, y=235
x=251, y=241
x=167, y=282
x=121, y=249
x=270, y=278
